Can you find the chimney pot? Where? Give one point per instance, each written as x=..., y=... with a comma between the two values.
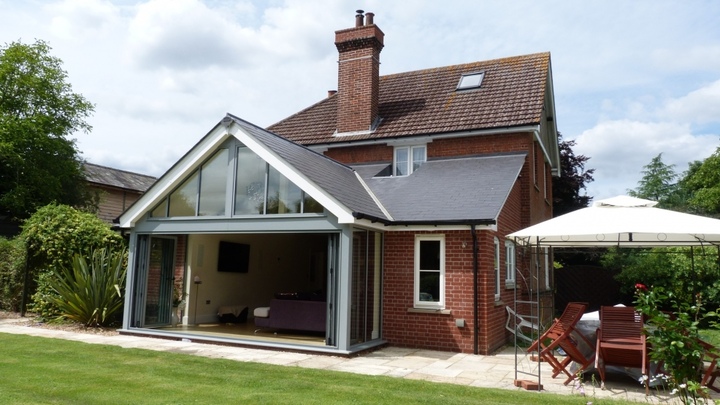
x=359, y=18
x=369, y=18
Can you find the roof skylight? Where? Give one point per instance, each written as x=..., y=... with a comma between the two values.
x=470, y=80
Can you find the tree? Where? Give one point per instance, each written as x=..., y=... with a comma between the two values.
x=39, y=162
x=702, y=185
x=657, y=183
x=573, y=178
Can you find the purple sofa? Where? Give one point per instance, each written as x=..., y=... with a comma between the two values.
x=295, y=315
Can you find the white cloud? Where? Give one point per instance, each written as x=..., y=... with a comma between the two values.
x=82, y=19
x=186, y=34
x=701, y=106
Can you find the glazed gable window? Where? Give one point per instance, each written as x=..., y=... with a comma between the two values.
x=430, y=271
x=192, y=199
x=259, y=190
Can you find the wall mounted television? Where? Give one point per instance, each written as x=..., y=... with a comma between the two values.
x=233, y=257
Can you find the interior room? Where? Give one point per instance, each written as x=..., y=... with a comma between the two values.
x=227, y=273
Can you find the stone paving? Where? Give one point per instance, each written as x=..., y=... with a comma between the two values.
x=494, y=371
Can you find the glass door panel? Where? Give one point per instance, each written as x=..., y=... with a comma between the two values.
x=332, y=264
x=159, y=282
x=365, y=289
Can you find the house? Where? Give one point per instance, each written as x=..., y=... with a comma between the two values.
x=116, y=189
x=387, y=202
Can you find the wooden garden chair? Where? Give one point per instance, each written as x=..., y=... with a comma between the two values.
x=709, y=369
x=563, y=335
x=621, y=342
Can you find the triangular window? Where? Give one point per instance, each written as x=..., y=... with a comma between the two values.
x=259, y=190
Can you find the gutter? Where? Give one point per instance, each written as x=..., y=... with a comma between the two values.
x=476, y=327
x=419, y=138
x=469, y=222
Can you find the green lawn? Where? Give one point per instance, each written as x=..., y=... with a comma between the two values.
x=711, y=336
x=37, y=370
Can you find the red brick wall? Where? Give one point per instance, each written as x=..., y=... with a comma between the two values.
x=437, y=331
x=361, y=154
x=541, y=189
x=424, y=330
x=467, y=146
x=519, y=142
x=180, y=255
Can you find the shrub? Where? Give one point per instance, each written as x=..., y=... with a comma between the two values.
x=54, y=234
x=90, y=292
x=674, y=269
x=12, y=273
x=673, y=336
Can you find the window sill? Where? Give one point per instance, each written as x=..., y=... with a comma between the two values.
x=430, y=311
x=510, y=285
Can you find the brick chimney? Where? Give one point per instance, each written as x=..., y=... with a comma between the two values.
x=358, y=74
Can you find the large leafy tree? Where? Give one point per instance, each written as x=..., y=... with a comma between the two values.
x=701, y=183
x=39, y=162
x=573, y=179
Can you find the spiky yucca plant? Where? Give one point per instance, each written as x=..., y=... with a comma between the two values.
x=90, y=292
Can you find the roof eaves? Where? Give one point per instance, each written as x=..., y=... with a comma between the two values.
x=446, y=222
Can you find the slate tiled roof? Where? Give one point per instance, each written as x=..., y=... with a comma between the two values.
x=468, y=189
x=107, y=176
x=426, y=102
x=335, y=178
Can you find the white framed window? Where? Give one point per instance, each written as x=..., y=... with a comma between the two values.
x=497, y=268
x=430, y=271
x=509, y=262
x=408, y=159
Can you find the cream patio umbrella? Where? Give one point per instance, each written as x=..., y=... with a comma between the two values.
x=622, y=221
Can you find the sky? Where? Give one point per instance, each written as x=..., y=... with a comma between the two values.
x=631, y=79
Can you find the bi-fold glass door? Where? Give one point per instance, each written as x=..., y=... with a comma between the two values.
x=154, y=276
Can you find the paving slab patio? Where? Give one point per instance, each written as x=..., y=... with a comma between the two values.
x=494, y=371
